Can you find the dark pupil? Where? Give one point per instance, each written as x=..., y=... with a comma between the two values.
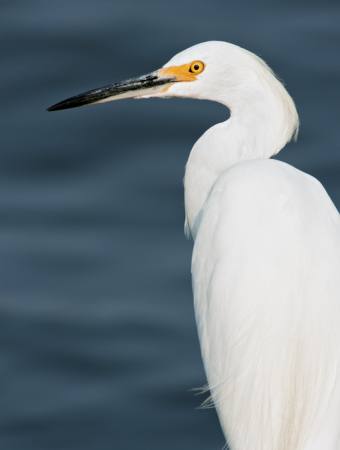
x=196, y=67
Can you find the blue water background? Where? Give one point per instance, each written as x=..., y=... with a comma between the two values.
x=98, y=347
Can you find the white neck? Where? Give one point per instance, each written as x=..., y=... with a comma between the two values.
x=263, y=119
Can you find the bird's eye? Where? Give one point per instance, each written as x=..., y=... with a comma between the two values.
x=196, y=67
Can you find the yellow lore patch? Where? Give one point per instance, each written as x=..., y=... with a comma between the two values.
x=185, y=72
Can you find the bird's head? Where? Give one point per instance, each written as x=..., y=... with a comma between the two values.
x=207, y=71
x=217, y=71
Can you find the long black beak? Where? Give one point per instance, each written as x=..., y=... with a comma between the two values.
x=136, y=87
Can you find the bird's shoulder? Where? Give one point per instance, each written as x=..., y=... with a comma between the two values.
x=269, y=182
x=264, y=176
x=268, y=192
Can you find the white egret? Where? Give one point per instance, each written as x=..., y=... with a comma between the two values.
x=266, y=258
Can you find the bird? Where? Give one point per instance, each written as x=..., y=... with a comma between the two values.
x=266, y=253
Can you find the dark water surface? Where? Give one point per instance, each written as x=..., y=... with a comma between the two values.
x=98, y=342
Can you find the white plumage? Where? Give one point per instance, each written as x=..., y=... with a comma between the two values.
x=266, y=272
x=266, y=281
x=266, y=258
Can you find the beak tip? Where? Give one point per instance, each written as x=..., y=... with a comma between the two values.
x=56, y=107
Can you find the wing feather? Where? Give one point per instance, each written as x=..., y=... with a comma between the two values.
x=266, y=281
